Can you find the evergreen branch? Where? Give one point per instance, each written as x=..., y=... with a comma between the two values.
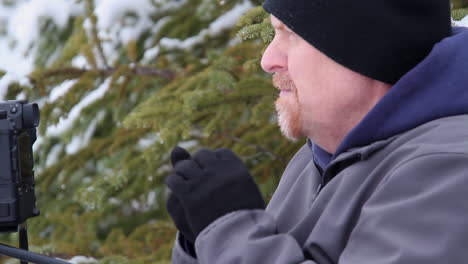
x=98, y=44
x=138, y=71
x=255, y=146
x=148, y=71
x=94, y=33
x=224, y=101
x=458, y=14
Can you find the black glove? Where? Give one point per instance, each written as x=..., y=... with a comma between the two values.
x=186, y=235
x=173, y=205
x=212, y=184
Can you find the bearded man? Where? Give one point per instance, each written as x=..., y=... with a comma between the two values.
x=379, y=88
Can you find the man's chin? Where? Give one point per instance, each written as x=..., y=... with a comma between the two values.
x=289, y=135
x=288, y=120
x=289, y=132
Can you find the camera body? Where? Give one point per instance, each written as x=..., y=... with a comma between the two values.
x=18, y=122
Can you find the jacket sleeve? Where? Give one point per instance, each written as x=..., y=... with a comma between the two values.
x=247, y=236
x=419, y=214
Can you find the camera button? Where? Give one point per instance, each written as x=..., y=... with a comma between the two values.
x=14, y=109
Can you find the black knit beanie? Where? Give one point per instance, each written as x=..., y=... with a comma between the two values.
x=381, y=39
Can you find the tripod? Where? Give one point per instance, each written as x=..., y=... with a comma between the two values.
x=23, y=254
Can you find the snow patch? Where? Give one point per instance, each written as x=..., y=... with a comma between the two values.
x=188, y=144
x=66, y=124
x=114, y=13
x=111, y=11
x=60, y=90
x=5, y=81
x=10, y=78
x=53, y=155
x=80, y=62
x=222, y=23
x=82, y=260
x=80, y=141
x=151, y=54
x=461, y=23
x=26, y=31
x=13, y=61
x=147, y=141
x=151, y=199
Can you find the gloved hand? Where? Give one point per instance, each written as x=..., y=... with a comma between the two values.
x=212, y=184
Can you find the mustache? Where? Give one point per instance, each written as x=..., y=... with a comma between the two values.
x=283, y=81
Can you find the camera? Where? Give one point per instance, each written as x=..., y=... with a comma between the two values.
x=18, y=122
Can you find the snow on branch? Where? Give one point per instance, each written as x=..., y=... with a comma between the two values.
x=222, y=23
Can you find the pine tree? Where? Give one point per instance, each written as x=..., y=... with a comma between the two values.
x=459, y=4
x=117, y=90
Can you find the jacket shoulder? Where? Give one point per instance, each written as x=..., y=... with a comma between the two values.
x=445, y=135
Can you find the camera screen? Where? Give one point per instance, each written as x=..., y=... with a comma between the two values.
x=25, y=158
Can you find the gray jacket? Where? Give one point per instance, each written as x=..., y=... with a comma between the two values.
x=400, y=200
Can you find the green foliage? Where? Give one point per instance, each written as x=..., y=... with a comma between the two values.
x=459, y=3
x=458, y=14
x=459, y=9
x=256, y=24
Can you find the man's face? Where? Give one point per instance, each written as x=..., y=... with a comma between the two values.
x=317, y=95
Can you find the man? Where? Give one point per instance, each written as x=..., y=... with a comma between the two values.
x=380, y=89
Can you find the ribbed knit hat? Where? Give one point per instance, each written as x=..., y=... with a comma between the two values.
x=381, y=39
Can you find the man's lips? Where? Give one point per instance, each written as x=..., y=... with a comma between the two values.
x=285, y=91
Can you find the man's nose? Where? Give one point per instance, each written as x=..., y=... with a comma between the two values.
x=273, y=60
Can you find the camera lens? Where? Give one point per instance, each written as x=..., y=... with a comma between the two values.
x=31, y=115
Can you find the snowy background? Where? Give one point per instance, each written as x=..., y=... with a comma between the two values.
x=17, y=50
x=18, y=34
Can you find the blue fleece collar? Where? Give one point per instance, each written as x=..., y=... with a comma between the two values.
x=321, y=157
